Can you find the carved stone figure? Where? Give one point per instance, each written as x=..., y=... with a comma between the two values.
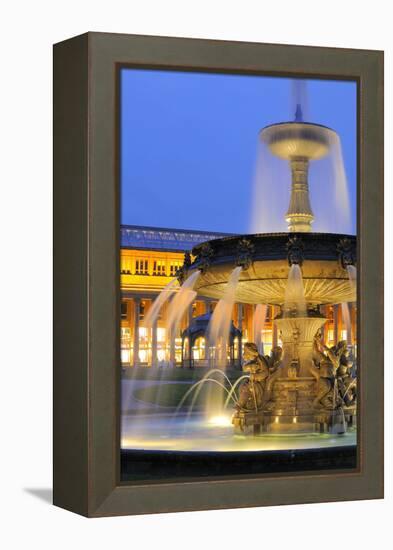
x=275, y=359
x=346, y=252
x=182, y=271
x=252, y=390
x=295, y=249
x=245, y=250
x=205, y=256
x=346, y=379
x=327, y=361
x=274, y=363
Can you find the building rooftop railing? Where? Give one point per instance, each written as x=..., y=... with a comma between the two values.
x=159, y=238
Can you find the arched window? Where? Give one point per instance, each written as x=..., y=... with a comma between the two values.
x=199, y=349
x=236, y=348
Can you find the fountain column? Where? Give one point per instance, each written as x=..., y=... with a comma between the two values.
x=154, y=344
x=297, y=341
x=299, y=216
x=137, y=303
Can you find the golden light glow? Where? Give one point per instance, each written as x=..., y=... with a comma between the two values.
x=220, y=420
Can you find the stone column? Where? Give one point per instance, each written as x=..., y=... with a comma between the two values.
x=189, y=315
x=189, y=321
x=137, y=303
x=251, y=337
x=335, y=321
x=323, y=335
x=274, y=328
x=240, y=327
x=240, y=316
x=349, y=335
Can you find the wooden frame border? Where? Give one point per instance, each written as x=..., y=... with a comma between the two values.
x=86, y=276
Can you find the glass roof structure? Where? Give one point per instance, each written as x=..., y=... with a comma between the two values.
x=157, y=238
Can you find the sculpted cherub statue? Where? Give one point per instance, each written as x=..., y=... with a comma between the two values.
x=346, y=380
x=264, y=370
x=327, y=362
x=251, y=391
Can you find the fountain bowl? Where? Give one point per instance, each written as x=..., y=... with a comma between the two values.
x=266, y=264
x=289, y=140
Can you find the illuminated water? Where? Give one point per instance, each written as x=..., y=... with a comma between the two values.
x=258, y=325
x=181, y=302
x=352, y=274
x=346, y=318
x=154, y=311
x=162, y=432
x=220, y=322
x=294, y=291
x=328, y=183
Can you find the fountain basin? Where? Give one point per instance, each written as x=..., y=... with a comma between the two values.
x=265, y=277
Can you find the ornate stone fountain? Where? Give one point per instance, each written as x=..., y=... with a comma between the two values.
x=309, y=388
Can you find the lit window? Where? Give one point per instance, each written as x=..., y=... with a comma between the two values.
x=124, y=311
x=174, y=267
x=236, y=348
x=141, y=267
x=185, y=347
x=125, y=265
x=144, y=345
x=159, y=267
x=199, y=349
x=125, y=344
x=178, y=350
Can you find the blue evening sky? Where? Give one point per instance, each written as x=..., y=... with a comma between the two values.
x=189, y=143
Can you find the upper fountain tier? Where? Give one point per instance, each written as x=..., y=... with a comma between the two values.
x=266, y=260
x=292, y=140
x=299, y=142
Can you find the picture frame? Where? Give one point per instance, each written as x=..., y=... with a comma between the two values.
x=86, y=424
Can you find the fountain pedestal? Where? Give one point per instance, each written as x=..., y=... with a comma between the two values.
x=297, y=336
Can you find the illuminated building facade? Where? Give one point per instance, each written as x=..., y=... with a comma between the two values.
x=149, y=260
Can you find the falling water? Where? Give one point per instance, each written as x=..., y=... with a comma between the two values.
x=294, y=292
x=352, y=275
x=258, y=324
x=162, y=298
x=347, y=320
x=299, y=98
x=272, y=182
x=218, y=337
x=342, y=204
x=181, y=302
x=149, y=321
x=220, y=322
x=328, y=186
